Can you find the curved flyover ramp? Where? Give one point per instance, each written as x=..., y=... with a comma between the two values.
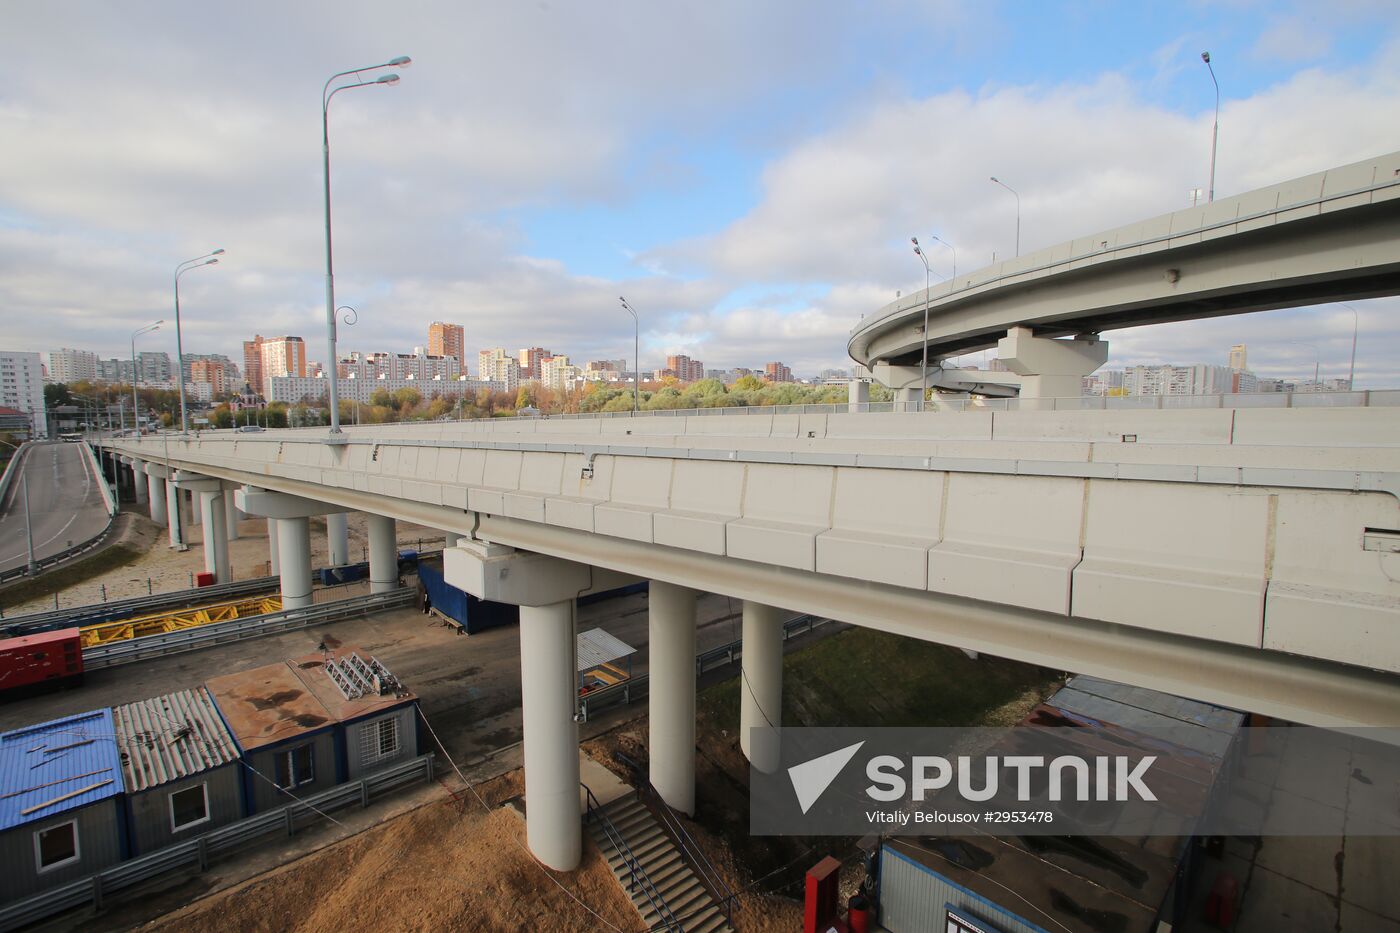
x=1332, y=236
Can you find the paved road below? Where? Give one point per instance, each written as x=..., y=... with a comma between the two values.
x=65, y=504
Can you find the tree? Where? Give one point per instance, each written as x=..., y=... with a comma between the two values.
x=381, y=397
x=524, y=398
x=407, y=399
x=55, y=394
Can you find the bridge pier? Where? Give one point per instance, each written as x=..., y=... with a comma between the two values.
x=274, y=565
x=761, y=685
x=211, y=491
x=450, y=539
x=139, y=480
x=294, y=553
x=544, y=588
x=383, y=555
x=293, y=536
x=155, y=488
x=337, y=539
x=671, y=693
x=231, y=514
x=554, y=823
x=1050, y=367
x=196, y=517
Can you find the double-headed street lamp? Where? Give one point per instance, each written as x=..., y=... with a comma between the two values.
x=1018, y=210
x=1215, y=133
x=636, y=356
x=205, y=260
x=951, y=247
x=135, y=402
x=326, y=94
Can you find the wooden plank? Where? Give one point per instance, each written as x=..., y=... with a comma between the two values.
x=28, y=790
x=77, y=793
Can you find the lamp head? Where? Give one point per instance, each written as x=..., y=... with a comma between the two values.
x=915, y=241
x=403, y=61
x=387, y=79
x=210, y=262
x=1205, y=57
x=994, y=178
x=218, y=252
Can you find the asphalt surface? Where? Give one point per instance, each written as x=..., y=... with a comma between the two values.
x=65, y=504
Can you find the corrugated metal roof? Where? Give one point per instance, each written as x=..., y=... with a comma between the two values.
x=41, y=763
x=596, y=646
x=170, y=737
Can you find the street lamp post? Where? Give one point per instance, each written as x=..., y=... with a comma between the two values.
x=1355, y=326
x=326, y=95
x=136, y=402
x=181, y=269
x=1018, y=211
x=923, y=378
x=1215, y=133
x=636, y=356
x=955, y=253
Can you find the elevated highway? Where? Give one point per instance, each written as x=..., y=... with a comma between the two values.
x=1332, y=236
x=66, y=505
x=1247, y=557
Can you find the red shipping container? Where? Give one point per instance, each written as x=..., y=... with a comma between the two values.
x=44, y=656
x=204, y=578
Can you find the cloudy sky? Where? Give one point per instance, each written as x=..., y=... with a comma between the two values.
x=747, y=174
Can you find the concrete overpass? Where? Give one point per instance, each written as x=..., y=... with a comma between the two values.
x=1332, y=236
x=66, y=505
x=1249, y=557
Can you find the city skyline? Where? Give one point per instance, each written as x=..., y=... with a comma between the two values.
x=739, y=230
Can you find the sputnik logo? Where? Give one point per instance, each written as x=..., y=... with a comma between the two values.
x=811, y=778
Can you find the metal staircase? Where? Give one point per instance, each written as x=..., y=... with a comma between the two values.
x=664, y=888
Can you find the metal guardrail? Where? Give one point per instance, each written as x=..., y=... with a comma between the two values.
x=636, y=688
x=197, y=853
x=219, y=633
x=636, y=872
x=12, y=468
x=44, y=563
x=136, y=605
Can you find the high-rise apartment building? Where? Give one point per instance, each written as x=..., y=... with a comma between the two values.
x=220, y=375
x=1239, y=357
x=494, y=366
x=557, y=373
x=153, y=367
x=531, y=360
x=67, y=365
x=283, y=356
x=22, y=388
x=686, y=369
x=777, y=372
x=447, y=340
x=252, y=363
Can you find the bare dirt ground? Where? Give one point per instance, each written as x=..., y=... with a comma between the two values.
x=444, y=866
x=168, y=569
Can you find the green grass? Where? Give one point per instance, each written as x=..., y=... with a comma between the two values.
x=861, y=677
x=71, y=574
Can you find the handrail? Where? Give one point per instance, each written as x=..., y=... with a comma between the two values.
x=690, y=851
x=635, y=872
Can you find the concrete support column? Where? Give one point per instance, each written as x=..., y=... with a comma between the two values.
x=274, y=565
x=155, y=487
x=1050, y=367
x=761, y=686
x=553, y=825
x=294, y=554
x=196, y=513
x=174, y=520
x=215, y=536
x=857, y=395
x=450, y=538
x=139, y=484
x=671, y=693
x=231, y=515
x=383, y=555
x=337, y=539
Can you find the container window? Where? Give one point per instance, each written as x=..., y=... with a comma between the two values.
x=296, y=767
x=56, y=845
x=379, y=740
x=189, y=807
